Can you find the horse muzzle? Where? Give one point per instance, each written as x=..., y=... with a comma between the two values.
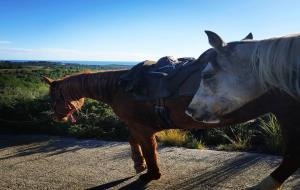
x=205, y=117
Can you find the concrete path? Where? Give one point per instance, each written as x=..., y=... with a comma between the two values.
x=47, y=162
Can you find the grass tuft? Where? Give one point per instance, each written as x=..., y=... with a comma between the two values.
x=173, y=137
x=270, y=129
x=238, y=136
x=176, y=137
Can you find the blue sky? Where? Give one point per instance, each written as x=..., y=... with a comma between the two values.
x=134, y=30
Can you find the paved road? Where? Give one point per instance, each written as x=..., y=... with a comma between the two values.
x=47, y=162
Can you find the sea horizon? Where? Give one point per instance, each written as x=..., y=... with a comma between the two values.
x=78, y=62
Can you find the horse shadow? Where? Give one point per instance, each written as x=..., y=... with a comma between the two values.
x=209, y=179
x=227, y=169
x=136, y=185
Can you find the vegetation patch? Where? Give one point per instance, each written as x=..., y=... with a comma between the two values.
x=176, y=137
x=271, y=132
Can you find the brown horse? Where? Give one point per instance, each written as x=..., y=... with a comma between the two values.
x=68, y=95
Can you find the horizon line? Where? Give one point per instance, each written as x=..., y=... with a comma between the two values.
x=53, y=60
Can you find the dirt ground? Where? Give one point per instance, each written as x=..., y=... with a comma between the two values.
x=47, y=162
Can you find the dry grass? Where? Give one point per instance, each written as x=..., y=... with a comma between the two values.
x=173, y=137
x=176, y=137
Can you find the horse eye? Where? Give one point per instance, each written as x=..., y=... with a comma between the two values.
x=207, y=75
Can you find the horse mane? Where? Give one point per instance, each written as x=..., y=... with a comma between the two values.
x=71, y=86
x=277, y=62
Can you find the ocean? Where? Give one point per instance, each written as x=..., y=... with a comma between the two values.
x=101, y=62
x=83, y=62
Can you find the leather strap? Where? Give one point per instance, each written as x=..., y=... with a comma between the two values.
x=162, y=114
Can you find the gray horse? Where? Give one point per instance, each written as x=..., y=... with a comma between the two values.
x=241, y=72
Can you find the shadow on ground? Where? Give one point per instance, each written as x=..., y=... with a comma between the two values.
x=36, y=144
x=136, y=185
x=226, y=170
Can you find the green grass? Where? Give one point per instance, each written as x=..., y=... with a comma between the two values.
x=270, y=129
x=195, y=144
x=233, y=147
x=238, y=137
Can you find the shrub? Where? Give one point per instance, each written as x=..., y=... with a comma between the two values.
x=25, y=105
x=239, y=137
x=270, y=130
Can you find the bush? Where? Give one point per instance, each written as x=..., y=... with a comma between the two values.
x=25, y=105
x=238, y=137
x=270, y=130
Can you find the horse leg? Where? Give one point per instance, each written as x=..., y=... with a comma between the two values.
x=137, y=156
x=289, y=164
x=149, y=145
x=291, y=159
x=275, y=180
x=290, y=128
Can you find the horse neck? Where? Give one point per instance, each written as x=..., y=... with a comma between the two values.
x=99, y=86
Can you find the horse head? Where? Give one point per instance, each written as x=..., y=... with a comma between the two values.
x=227, y=80
x=63, y=103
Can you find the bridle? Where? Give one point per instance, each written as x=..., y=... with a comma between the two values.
x=58, y=96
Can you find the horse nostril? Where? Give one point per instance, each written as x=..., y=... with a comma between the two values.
x=190, y=112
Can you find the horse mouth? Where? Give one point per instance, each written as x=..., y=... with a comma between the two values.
x=207, y=121
x=72, y=118
x=213, y=121
x=205, y=118
x=65, y=119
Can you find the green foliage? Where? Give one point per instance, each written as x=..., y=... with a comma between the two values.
x=98, y=120
x=271, y=132
x=195, y=144
x=238, y=136
x=24, y=103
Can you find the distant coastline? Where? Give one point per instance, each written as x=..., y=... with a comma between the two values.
x=100, y=63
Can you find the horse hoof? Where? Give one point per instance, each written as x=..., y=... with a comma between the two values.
x=140, y=169
x=147, y=177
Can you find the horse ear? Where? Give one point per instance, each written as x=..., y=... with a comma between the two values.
x=248, y=37
x=47, y=80
x=215, y=41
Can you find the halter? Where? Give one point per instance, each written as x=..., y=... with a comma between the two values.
x=70, y=106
